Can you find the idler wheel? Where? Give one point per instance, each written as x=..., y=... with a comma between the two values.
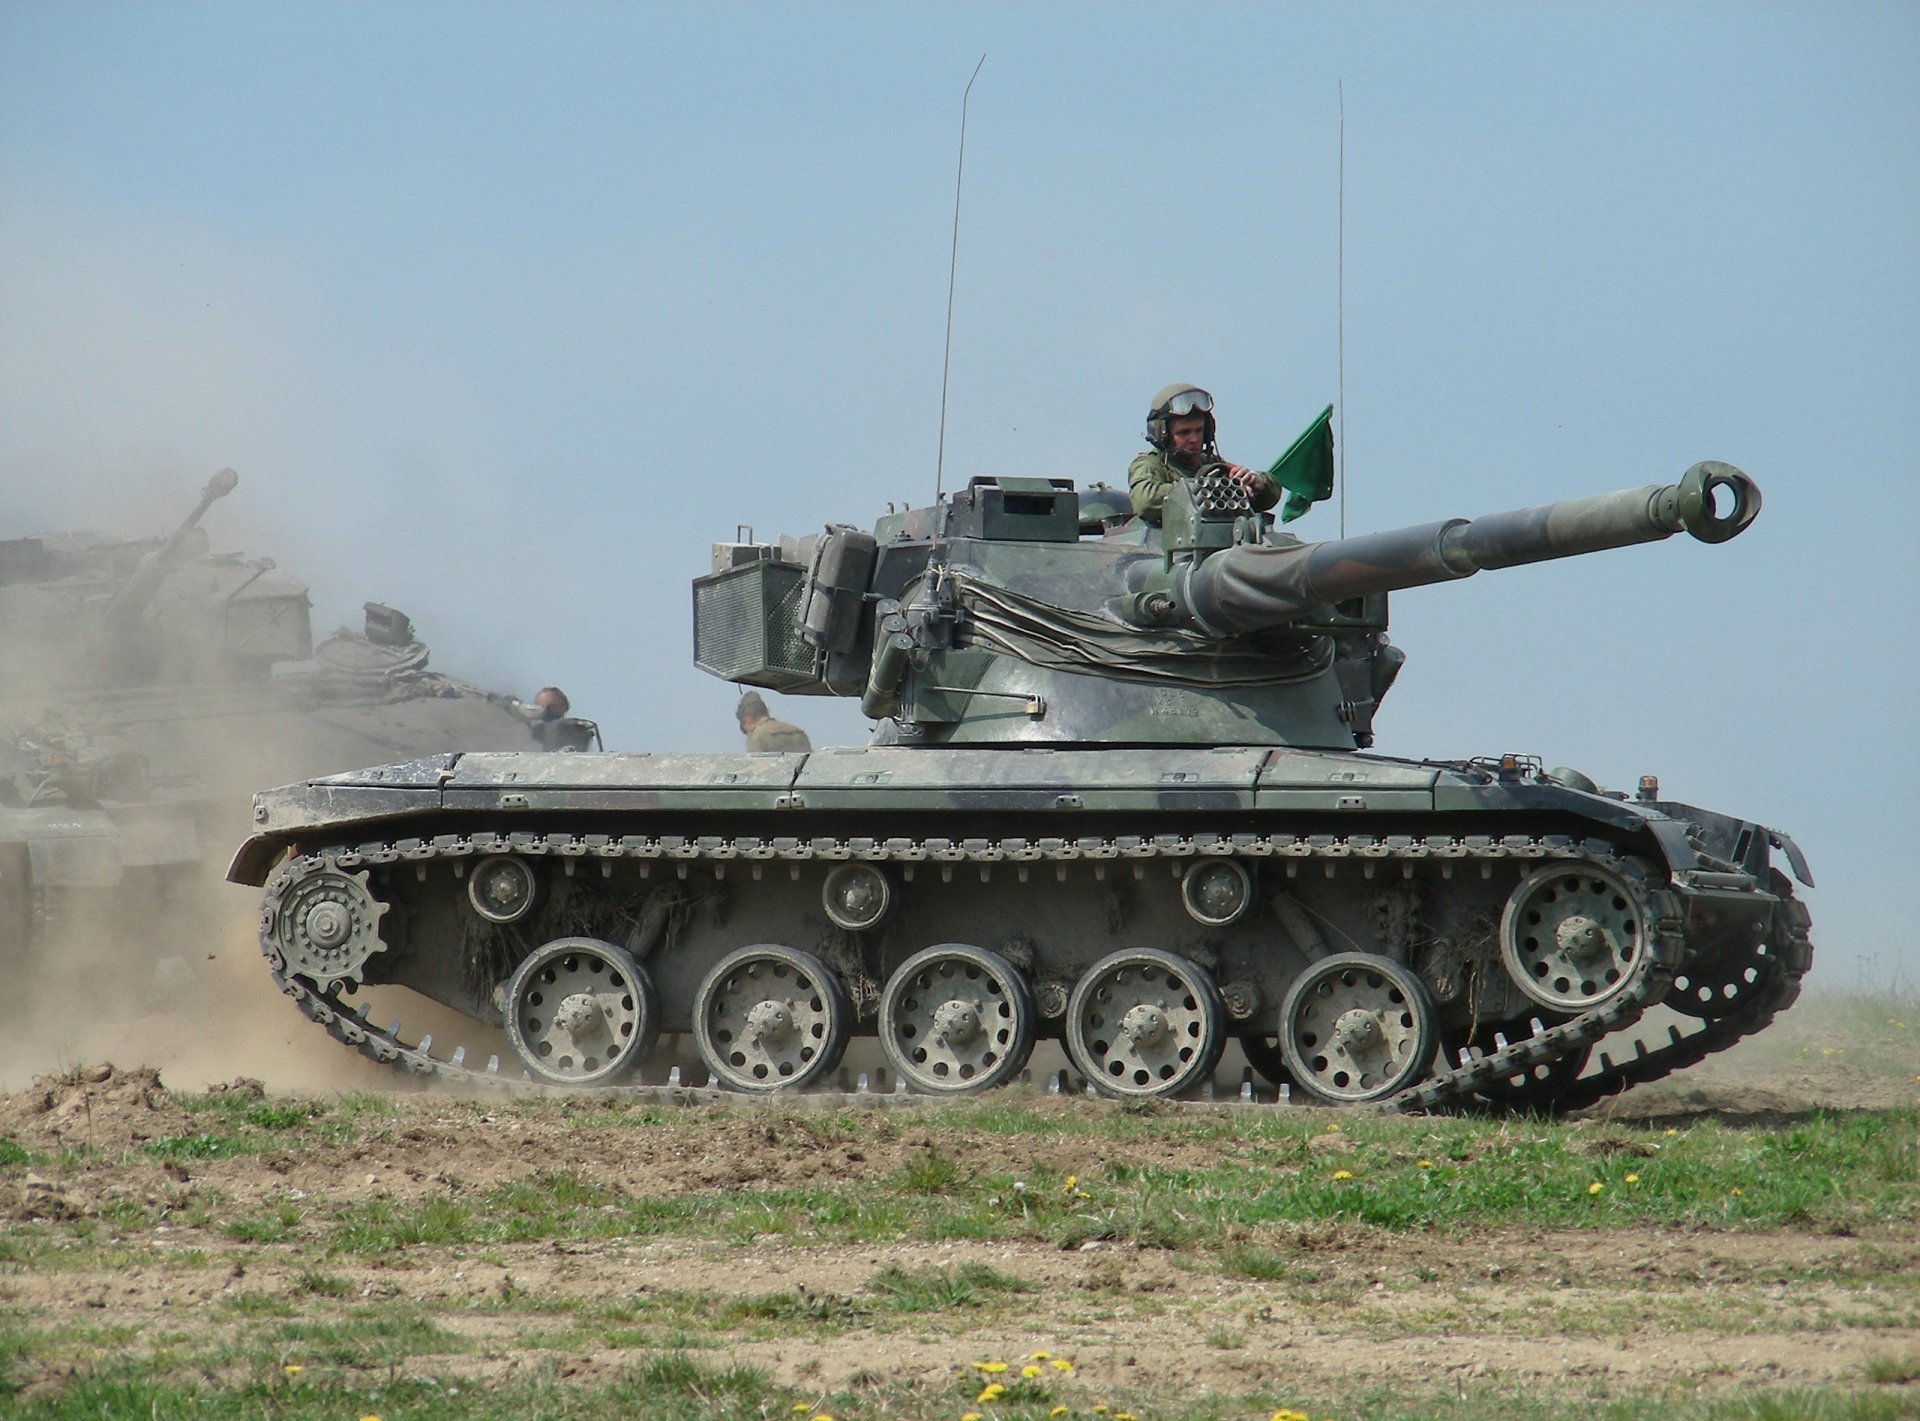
x=581, y=1012
x=956, y=1019
x=770, y=1018
x=1356, y=1028
x=1145, y=1023
x=1573, y=934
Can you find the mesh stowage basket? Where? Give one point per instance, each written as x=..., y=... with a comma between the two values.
x=746, y=626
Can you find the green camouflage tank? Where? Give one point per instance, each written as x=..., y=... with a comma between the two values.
x=147, y=687
x=1117, y=801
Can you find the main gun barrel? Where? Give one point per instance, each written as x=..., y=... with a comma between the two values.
x=132, y=598
x=1254, y=586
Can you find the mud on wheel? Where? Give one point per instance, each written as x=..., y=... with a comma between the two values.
x=1356, y=1028
x=1142, y=1022
x=581, y=1012
x=770, y=1018
x=956, y=1019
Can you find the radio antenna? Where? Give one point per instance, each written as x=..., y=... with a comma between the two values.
x=953, y=264
x=1340, y=304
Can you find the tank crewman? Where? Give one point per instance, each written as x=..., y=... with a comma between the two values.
x=1180, y=427
x=548, y=723
x=763, y=732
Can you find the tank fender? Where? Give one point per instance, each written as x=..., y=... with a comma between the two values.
x=254, y=860
x=1801, y=870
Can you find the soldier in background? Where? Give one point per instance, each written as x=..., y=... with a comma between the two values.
x=763, y=732
x=551, y=725
x=1181, y=429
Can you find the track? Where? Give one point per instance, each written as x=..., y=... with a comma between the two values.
x=1506, y=1077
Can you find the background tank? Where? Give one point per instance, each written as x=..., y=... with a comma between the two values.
x=1116, y=798
x=147, y=686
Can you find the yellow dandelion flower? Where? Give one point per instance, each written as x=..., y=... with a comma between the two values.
x=1030, y=1371
x=801, y=1408
x=293, y=1369
x=1123, y=1416
x=1633, y=1179
x=992, y=1391
x=1736, y=1191
x=1424, y=1163
x=1100, y=1410
x=1343, y=1174
x=1038, y=1356
x=1595, y=1187
x=1061, y=1364
x=369, y=1417
x=989, y=1367
x=1057, y=1411
x=1671, y=1132
x=970, y=1416
x=1333, y=1129
x=1286, y=1414
x=821, y=1416
x=1071, y=1183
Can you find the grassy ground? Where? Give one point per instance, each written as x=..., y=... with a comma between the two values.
x=237, y=1254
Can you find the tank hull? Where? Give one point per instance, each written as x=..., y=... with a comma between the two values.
x=1365, y=929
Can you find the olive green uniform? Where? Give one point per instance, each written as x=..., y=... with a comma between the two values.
x=777, y=735
x=1151, y=476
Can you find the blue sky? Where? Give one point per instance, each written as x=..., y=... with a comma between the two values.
x=505, y=312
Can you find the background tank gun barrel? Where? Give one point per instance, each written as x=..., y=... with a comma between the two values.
x=1253, y=586
x=138, y=590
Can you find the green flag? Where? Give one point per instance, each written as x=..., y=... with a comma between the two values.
x=1305, y=471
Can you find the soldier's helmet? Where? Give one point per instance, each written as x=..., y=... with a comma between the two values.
x=1173, y=402
x=751, y=705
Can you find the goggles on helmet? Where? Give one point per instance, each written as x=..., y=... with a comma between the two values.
x=1190, y=402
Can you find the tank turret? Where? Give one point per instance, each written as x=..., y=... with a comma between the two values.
x=1007, y=614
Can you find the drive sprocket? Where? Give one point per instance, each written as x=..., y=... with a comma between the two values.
x=322, y=923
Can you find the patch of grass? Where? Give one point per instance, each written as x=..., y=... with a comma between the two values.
x=1892, y=1371
x=932, y=1173
x=940, y=1289
x=1263, y=1265
x=12, y=1152
x=322, y=1285
x=801, y=1305
x=183, y=1147
x=277, y=1227
x=680, y=1376
x=374, y=1336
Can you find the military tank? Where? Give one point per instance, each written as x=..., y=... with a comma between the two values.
x=150, y=685
x=1118, y=798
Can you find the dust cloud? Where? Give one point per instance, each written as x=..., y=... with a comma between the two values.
x=133, y=733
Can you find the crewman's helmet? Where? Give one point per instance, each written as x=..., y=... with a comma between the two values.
x=1172, y=403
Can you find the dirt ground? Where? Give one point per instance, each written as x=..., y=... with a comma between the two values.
x=1606, y=1312
x=1621, y=1311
